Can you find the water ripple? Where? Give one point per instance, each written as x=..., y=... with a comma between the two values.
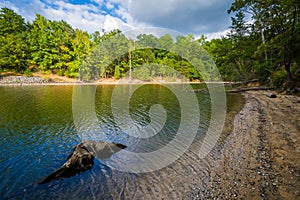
x=38, y=134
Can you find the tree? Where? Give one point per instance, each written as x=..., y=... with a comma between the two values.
x=117, y=73
x=14, y=47
x=101, y=62
x=11, y=22
x=63, y=34
x=51, y=44
x=41, y=43
x=81, y=46
x=278, y=23
x=165, y=42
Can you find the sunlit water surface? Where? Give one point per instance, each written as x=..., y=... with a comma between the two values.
x=38, y=134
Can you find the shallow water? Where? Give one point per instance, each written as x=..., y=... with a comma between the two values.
x=38, y=134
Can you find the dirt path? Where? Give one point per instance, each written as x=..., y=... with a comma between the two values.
x=261, y=158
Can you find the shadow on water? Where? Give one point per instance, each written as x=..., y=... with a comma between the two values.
x=38, y=134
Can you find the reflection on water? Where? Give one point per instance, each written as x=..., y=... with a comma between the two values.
x=38, y=134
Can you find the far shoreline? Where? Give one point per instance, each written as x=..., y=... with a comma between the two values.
x=96, y=83
x=54, y=80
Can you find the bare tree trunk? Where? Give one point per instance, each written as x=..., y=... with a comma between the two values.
x=264, y=42
x=288, y=73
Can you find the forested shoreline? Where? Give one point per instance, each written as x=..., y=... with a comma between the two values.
x=267, y=49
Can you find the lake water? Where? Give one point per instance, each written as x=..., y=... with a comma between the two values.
x=38, y=133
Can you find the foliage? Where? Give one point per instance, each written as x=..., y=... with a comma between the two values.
x=274, y=31
x=14, y=47
x=263, y=42
x=278, y=78
x=144, y=58
x=27, y=72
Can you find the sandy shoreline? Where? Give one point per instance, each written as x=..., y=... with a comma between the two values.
x=260, y=158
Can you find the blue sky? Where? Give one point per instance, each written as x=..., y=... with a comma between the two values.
x=198, y=17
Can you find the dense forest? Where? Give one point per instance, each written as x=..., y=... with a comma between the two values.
x=263, y=43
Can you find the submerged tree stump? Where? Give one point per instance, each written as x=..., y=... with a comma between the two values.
x=82, y=158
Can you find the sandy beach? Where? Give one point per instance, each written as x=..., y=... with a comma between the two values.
x=260, y=158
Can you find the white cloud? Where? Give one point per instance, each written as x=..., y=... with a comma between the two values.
x=99, y=2
x=86, y=17
x=207, y=17
x=109, y=5
x=112, y=23
x=189, y=16
x=27, y=10
x=79, y=16
x=215, y=35
x=123, y=3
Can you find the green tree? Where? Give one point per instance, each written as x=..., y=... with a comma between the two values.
x=165, y=42
x=11, y=22
x=81, y=47
x=51, y=44
x=220, y=51
x=278, y=24
x=14, y=47
x=41, y=43
x=101, y=62
x=63, y=34
x=117, y=73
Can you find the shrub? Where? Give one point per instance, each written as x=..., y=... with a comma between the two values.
x=27, y=72
x=278, y=78
x=71, y=74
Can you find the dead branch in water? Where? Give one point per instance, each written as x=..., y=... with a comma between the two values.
x=250, y=89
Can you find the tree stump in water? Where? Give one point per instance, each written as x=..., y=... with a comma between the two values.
x=82, y=158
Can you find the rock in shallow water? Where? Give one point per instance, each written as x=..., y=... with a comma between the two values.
x=271, y=95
